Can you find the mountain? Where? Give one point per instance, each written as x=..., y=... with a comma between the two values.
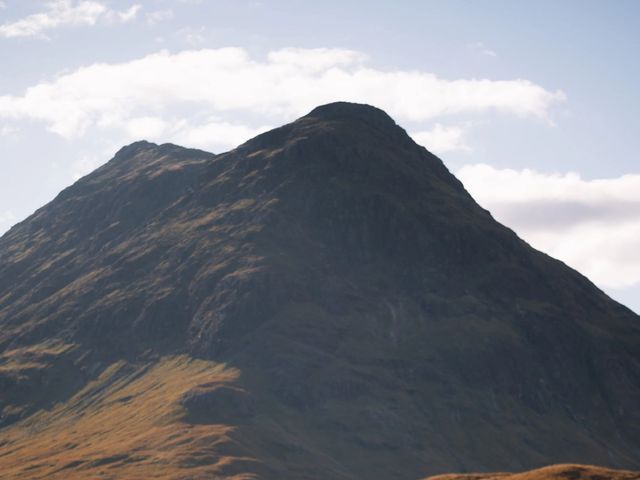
x=326, y=301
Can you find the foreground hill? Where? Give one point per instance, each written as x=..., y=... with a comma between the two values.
x=554, y=472
x=325, y=301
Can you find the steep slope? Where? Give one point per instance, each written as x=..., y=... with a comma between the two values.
x=380, y=324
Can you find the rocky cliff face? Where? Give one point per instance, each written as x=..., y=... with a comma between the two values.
x=379, y=323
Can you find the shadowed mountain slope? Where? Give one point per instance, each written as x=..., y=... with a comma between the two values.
x=325, y=301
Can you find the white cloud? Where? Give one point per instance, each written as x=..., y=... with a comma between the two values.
x=312, y=60
x=592, y=225
x=145, y=127
x=159, y=16
x=7, y=219
x=287, y=83
x=442, y=139
x=215, y=134
x=3, y=5
x=60, y=13
x=125, y=16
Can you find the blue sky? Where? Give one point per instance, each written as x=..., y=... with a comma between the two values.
x=532, y=105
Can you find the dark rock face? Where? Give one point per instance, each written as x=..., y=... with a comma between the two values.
x=373, y=307
x=218, y=404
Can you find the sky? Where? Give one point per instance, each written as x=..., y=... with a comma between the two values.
x=532, y=105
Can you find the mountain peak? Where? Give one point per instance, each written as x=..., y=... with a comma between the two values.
x=134, y=148
x=348, y=109
x=351, y=111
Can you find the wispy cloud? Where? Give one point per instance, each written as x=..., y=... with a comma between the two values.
x=286, y=83
x=159, y=16
x=442, y=139
x=6, y=130
x=65, y=13
x=592, y=225
x=192, y=36
x=482, y=49
x=124, y=16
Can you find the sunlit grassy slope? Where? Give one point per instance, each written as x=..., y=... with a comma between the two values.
x=128, y=423
x=553, y=472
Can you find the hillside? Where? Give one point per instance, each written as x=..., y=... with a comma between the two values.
x=554, y=472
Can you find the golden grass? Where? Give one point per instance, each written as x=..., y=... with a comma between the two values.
x=52, y=347
x=32, y=356
x=553, y=472
x=125, y=424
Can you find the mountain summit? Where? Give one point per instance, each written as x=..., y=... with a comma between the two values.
x=326, y=301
